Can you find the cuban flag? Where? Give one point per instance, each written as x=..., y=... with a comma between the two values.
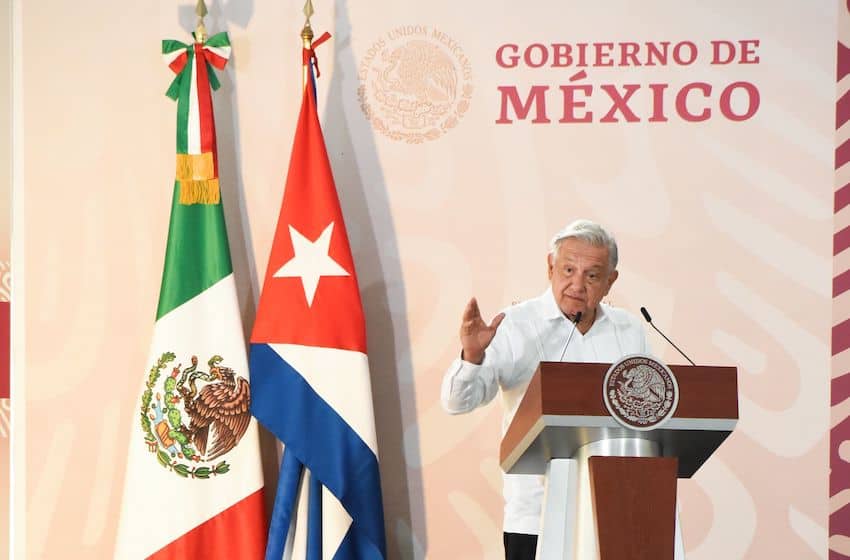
x=310, y=372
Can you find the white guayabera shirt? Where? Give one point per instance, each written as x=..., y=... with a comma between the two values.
x=533, y=331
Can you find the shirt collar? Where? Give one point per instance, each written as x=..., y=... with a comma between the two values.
x=549, y=308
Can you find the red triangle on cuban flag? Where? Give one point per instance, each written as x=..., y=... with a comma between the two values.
x=310, y=294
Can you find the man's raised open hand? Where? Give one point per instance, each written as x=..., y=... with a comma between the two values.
x=475, y=334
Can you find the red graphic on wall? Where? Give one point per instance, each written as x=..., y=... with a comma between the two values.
x=4, y=350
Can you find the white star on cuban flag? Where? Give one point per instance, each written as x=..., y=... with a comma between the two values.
x=311, y=261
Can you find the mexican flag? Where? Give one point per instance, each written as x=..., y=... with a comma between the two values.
x=193, y=487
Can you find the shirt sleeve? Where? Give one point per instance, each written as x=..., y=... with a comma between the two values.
x=466, y=386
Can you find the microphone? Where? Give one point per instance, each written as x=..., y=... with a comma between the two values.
x=646, y=316
x=573, y=330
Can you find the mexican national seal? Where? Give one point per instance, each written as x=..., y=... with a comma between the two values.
x=640, y=392
x=415, y=83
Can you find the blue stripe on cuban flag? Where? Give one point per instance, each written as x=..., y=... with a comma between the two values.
x=318, y=438
x=314, y=520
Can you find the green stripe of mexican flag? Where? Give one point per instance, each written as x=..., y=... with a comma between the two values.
x=196, y=256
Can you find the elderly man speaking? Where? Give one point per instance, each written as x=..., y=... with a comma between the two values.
x=505, y=353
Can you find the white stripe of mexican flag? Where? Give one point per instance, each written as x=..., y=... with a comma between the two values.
x=159, y=506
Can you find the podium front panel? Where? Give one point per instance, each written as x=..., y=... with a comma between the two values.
x=563, y=409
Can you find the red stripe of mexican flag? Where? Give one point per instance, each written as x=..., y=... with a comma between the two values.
x=237, y=532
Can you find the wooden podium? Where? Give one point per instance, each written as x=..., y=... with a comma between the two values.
x=611, y=490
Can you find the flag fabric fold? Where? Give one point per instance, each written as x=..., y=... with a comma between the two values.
x=310, y=370
x=193, y=487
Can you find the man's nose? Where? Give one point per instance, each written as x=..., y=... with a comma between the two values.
x=578, y=283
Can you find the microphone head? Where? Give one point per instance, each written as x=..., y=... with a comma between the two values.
x=645, y=314
x=578, y=318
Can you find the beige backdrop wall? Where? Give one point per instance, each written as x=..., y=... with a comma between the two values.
x=5, y=246
x=724, y=229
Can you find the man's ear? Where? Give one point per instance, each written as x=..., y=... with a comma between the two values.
x=611, y=279
x=550, y=261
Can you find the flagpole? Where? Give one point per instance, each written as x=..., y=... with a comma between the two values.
x=200, y=29
x=306, y=40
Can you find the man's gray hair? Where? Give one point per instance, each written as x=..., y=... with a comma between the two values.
x=592, y=233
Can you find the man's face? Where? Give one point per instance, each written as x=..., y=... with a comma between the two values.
x=581, y=276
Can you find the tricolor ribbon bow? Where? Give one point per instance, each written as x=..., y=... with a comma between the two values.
x=197, y=166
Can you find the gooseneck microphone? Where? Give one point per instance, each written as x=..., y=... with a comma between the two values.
x=569, y=338
x=646, y=316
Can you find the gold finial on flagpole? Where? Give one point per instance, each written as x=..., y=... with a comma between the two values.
x=307, y=39
x=200, y=30
x=308, y=12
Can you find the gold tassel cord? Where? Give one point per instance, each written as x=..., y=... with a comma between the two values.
x=196, y=175
x=194, y=167
x=204, y=191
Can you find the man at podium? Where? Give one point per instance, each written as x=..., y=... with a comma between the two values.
x=567, y=322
